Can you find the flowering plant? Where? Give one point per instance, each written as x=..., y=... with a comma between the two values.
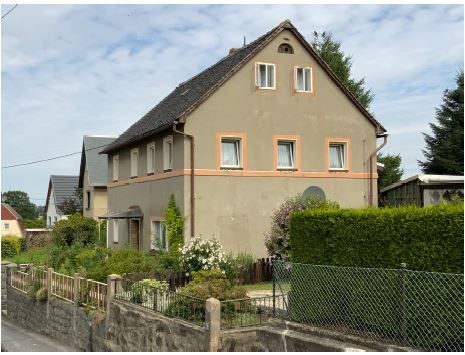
x=278, y=238
x=199, y=254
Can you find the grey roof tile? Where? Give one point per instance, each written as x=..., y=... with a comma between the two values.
x=97, y=164
x=64, y=187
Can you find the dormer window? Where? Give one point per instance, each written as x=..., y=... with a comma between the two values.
x=285, y=48
x=265, y=75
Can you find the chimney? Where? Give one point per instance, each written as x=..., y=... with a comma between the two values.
x=233, y=50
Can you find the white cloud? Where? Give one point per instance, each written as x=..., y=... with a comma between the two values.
x=82, y=69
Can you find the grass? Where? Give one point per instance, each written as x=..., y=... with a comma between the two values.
x=262, y=286
x=37, y=256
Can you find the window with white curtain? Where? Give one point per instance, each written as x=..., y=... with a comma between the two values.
x=337, y=156
x=265, y=75
x=168, y=153
x=159, y=238
x=115, y=167
x=151, y=158
x=230, y=152
x=134, y=161
x=303, y=79
x=286, y=155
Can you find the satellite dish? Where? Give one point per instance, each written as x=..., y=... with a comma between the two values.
x=314, y=191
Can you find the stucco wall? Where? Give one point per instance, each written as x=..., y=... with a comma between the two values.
x=13, y=228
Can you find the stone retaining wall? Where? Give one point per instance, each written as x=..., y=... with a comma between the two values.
x=3, y=290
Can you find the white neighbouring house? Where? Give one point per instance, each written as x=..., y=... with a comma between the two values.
x=60, y=188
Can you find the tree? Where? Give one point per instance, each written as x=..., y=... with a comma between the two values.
x=341, y=64
x=391, y=172
x=72, y=204
x=174, y=223
x=19, y=200
x=35, y=223
x=76, y=228
x=444, y=148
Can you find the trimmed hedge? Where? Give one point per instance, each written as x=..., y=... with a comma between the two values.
x=427, y=239
x=11, y=245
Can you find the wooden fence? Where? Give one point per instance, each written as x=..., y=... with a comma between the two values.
x=259, y=271
x=90, y=293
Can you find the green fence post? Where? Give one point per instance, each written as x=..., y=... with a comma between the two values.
x=274, y=286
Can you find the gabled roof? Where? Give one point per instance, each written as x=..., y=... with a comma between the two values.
x=9, y=213
x=63, y=187
x=97, y=164
x=191, y=93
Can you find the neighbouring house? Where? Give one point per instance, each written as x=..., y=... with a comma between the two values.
x=93, y=175
x=12, y=222
x=60, y=187
x=268, y=121
x=423, y=190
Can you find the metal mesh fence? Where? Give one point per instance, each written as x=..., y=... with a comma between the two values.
x=418, y=309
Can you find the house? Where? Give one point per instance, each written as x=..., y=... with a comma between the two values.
x=12, y=222
x=60, y=188
x=423, y=190
x=268, y=121
x=93, y=175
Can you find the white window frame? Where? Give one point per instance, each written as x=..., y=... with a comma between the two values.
x=7, y=226
x=257, y=75
x=115, y=167
x=151, y=158
x=156, y=228
x=238, y=141
x=134, y=162
x=293, y=144
x=309, y=71
x=115, y=231
x=344, y=155
x=167, y=162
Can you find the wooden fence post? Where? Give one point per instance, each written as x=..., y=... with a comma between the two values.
x=49, y=289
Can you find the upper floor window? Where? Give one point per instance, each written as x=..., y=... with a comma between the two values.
x=115, y=167
x=151, y=158
x=286, y=155
x=265, y=75
x=134, y=161
x=285, y=48
x=168, y=153
x=303, y=79
x=337, y=156
x=230, y=152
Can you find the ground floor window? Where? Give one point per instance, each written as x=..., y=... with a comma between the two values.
x=159, y=238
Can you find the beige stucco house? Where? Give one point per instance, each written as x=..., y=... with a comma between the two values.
x=268, y=121
x=93, y=175
x=12, y=222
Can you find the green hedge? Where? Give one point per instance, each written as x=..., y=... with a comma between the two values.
x=423, y=309
x=427, y=239
x=11, y=245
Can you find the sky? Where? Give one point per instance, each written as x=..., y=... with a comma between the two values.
x=70, y=70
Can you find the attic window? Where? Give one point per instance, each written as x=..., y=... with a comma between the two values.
x=285, y=48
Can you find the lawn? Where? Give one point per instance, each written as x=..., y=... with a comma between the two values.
x=262, y=286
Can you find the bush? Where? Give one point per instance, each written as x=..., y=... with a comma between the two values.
x=201, y=254
x=11, y=245
x=76, y=228
x=427, y=239
x=38, y=256
x=143, y=291
x=277, y=241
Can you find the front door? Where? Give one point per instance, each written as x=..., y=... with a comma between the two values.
x=134, y=232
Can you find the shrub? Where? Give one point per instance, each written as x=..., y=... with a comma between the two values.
x=428, y=239
x=11, y=245
x=143, y=291
x=75, y=228
x=201, y=254
x=174, y=223
x=38, y=256
x=277, y=241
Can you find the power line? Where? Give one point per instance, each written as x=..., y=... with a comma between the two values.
x=48, y=159
x=14, y=7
